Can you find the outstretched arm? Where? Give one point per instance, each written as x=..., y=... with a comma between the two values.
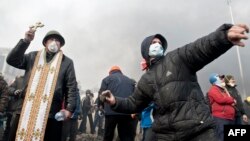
x=204, y=50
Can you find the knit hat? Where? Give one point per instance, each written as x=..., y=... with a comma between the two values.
x=228, y=78
x=113, y=68
x=56, y=34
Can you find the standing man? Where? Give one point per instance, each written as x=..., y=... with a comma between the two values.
x=87, y=105
x=181, y=112
x=15, y=92
x=121, y=86
x=3, y=103
x=4, y=95
x=240, y=114
x=49, y=79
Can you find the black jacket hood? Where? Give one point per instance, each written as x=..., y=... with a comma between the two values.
x=147, y=42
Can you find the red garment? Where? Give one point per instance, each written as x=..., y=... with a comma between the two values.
x=221, y=103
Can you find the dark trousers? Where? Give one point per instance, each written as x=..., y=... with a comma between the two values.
x=238, y=120
x=98, y=121
x=220, y=127
x=70, y=129
x=82, y=128
x=7, y=129
x=53, y=130
x=126, y=127
x=148, y=135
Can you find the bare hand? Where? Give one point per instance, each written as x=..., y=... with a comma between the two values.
x=245, y=118
x=29, y=35
x=236, y=33
x=18, y=92
x=109, y=98
x=67, y=113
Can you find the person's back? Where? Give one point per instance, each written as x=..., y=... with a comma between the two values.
x=121, y=86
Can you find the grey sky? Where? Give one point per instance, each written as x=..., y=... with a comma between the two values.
x=102, y=33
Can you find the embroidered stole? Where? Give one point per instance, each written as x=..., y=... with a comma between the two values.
x=38, y=98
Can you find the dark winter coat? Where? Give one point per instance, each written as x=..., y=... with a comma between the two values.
x=171, y=82
x=4, y=94
x=239, y=103
x=66, y=82
x=14, y=100
x=120, y=85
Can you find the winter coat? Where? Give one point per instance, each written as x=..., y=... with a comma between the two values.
x=4, y=94
x=78, y=110
x=14, y=101
x=66, y=82
x=120, y=85
x=221, y=103
x=239, y=103
x=181, y=112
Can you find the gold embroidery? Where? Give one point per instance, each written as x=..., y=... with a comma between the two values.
x=52, y=70
x=21, y=133
x=40, y=97
x=45, y=98
x=39, y=67
x=37, y=134
x=31, y=97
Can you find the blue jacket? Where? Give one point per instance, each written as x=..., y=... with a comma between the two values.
x=77, y=111
x=147, y=116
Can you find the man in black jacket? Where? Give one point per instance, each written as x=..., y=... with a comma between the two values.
x=239, y=109
x=49, y=79
x=181, y=112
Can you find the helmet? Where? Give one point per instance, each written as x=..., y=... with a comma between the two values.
x=54, y=33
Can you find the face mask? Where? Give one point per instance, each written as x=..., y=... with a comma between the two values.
x=223, y=84
x=231, y=84
x=155, y=50
x=53, y=47
x=220, y=83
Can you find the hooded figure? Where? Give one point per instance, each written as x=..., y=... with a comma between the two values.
x=181, y=112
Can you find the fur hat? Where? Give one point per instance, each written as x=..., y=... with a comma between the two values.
x=228, y=78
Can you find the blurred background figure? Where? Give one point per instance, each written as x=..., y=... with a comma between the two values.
x=87, y=110
x=246, y=106
x=222, y=104
x=239, y=110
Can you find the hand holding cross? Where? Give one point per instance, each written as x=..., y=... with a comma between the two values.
x=29, y=35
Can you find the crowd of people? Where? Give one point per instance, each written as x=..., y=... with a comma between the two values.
x=45, y=103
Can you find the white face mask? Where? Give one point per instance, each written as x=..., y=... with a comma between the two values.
x=155, y=50
x=231, y=84
x=223, y=84
x=52, y=47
